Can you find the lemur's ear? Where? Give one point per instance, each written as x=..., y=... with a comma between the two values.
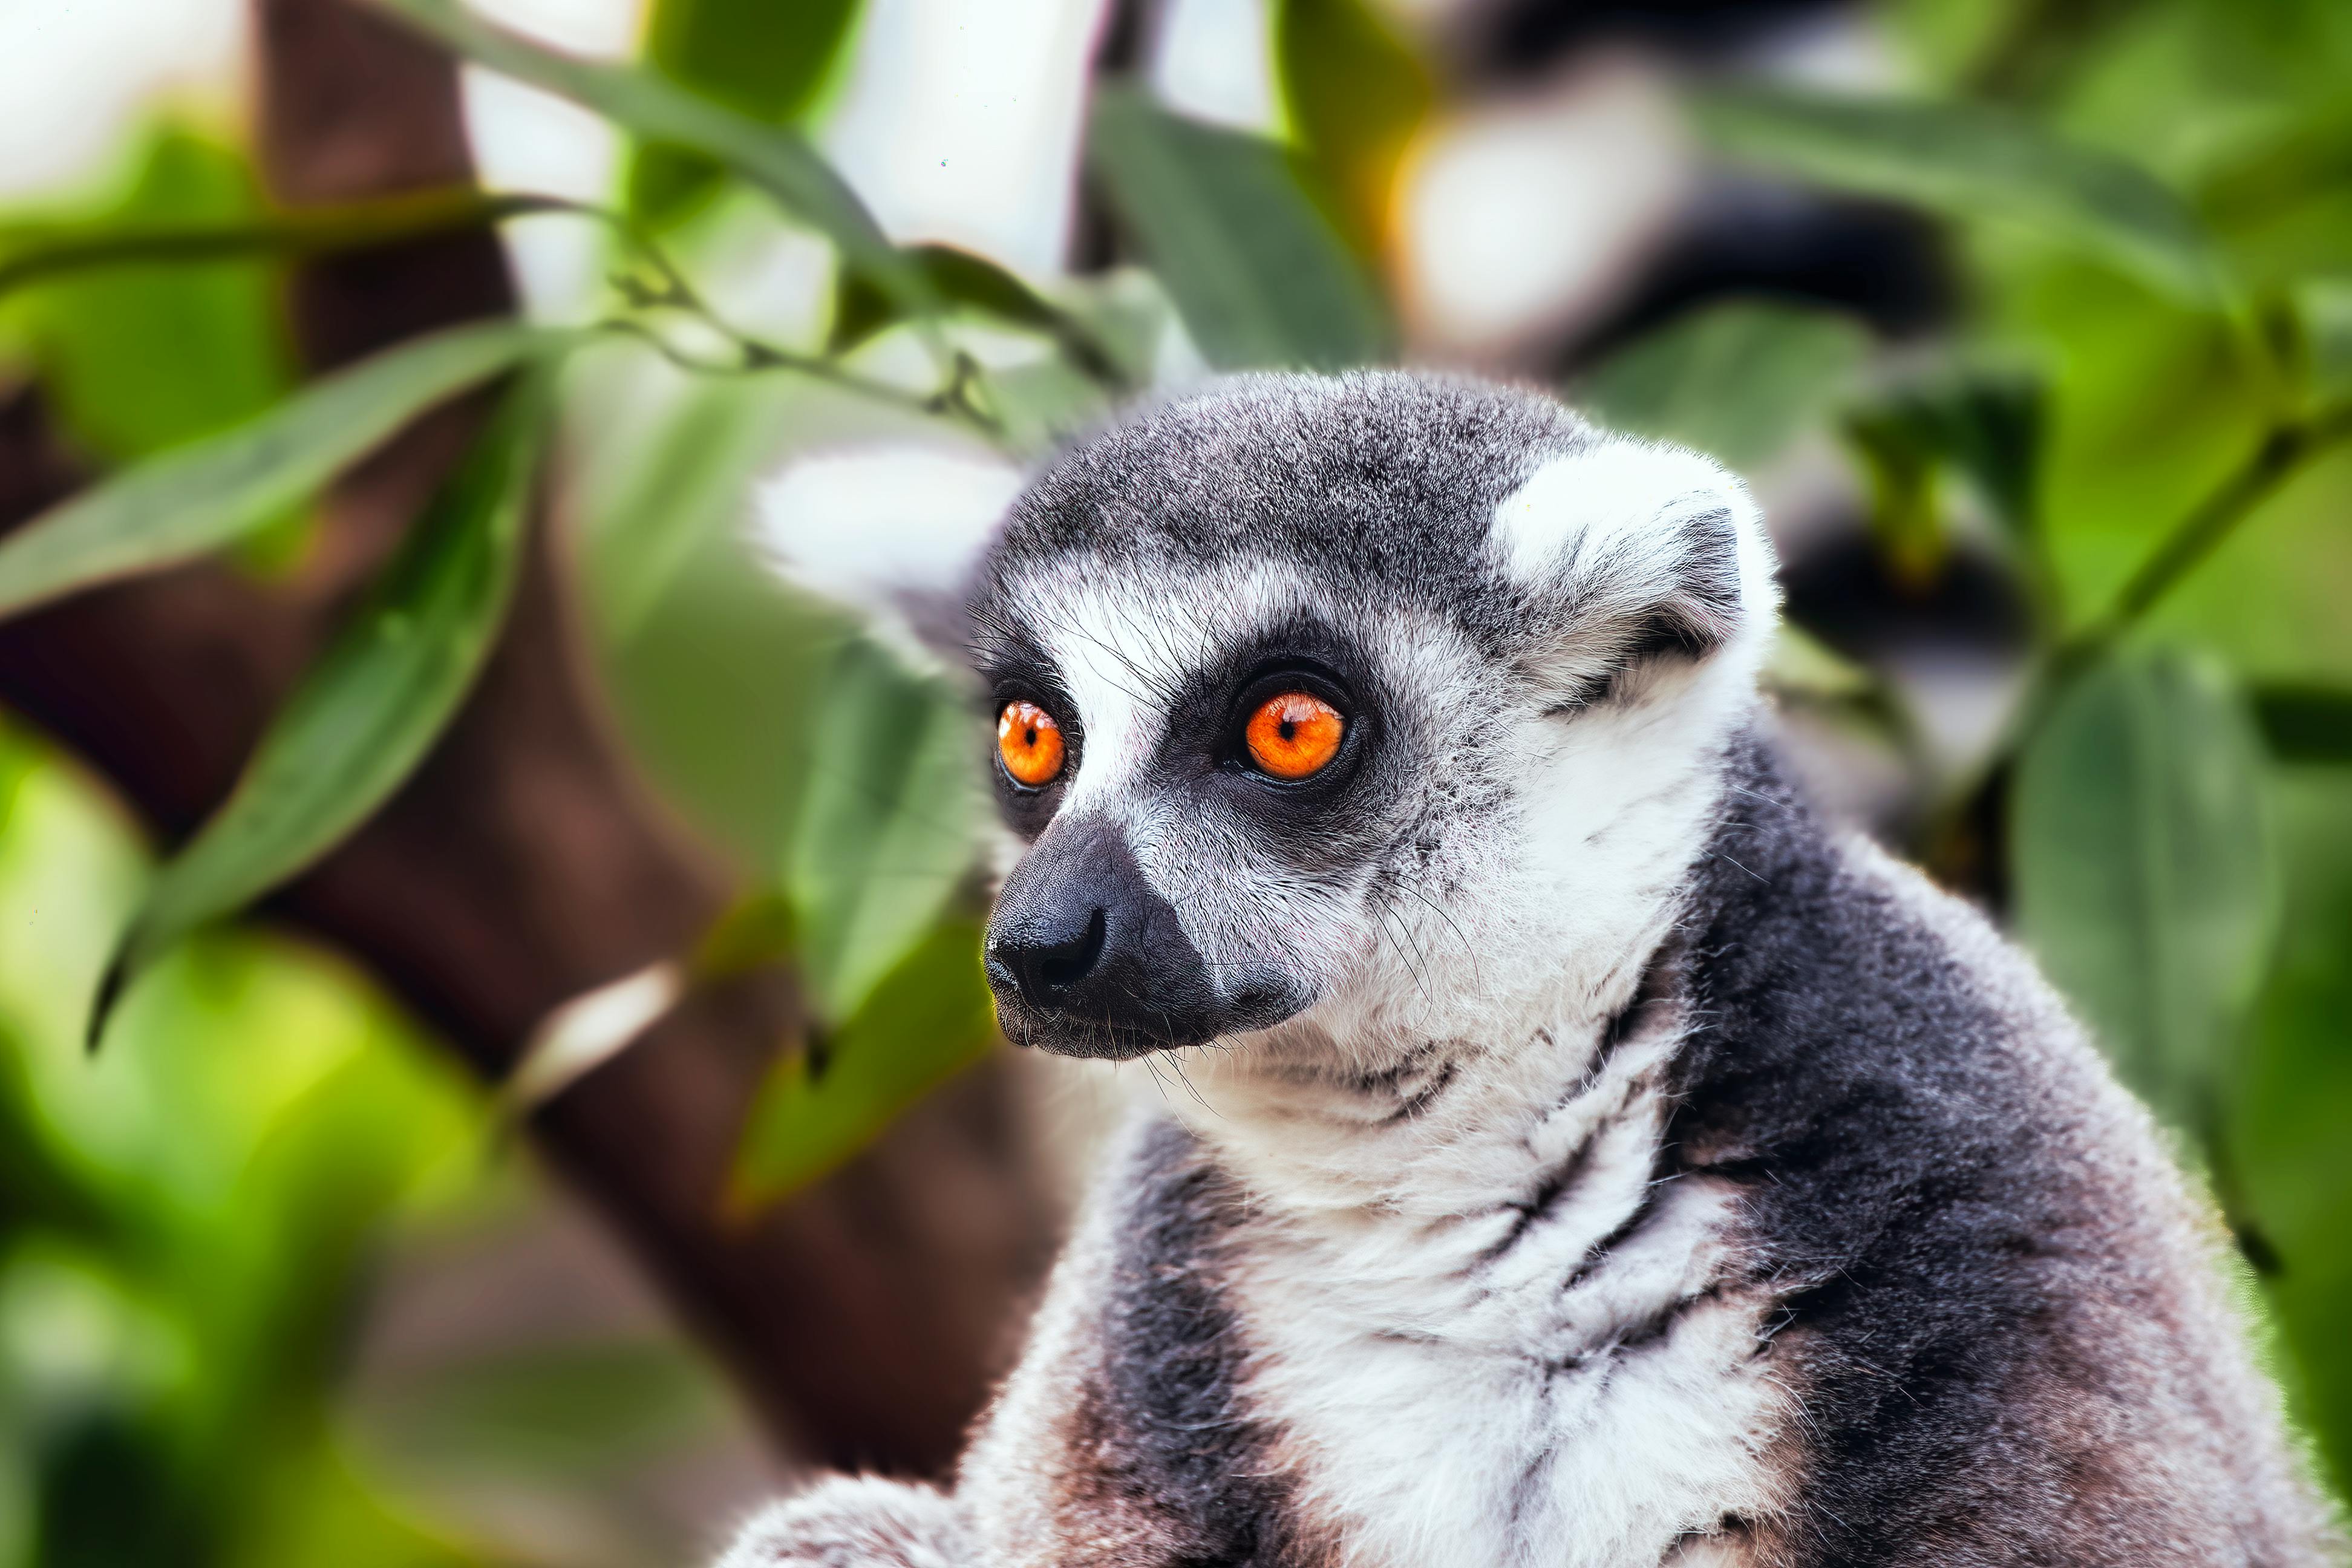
x=1629, y=550
x=894, y=531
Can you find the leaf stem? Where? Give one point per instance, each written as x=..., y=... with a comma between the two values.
x=332, y=231
x=2286, y=448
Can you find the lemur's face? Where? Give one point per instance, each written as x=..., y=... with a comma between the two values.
x=1346, y=705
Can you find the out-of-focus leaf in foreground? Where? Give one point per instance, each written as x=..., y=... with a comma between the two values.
x=823, y=1103
x=756, y=56
x=887, y=824
x=1972, y=162
x=2143, y=869
x=211, y=492
x=1987, y=424
x=1356, y=94
x=2305, y=721
x=771, y=158
x=960, y=279
x=1737, y=379
x=367, y=712
x=2322, y=312
x=97, y=336
x=1257, y=271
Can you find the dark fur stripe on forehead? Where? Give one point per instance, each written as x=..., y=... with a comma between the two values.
x=1385, y=480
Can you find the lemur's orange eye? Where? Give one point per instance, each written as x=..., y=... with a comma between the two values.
x=1295, y=735
x=1029, y=742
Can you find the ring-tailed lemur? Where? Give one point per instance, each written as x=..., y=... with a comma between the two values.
x=1589, y=1158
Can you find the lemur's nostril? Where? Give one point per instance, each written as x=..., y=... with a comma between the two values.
x=1052, y=969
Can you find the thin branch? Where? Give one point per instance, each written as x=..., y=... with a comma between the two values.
x=2282, y=452
x=45, y=253
x=332, y=231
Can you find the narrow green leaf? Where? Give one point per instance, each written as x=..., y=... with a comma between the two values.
x=2323, y=316
x=2144, y=867
x=1738, y=379
x=2306, y=723
x=93, y=337
x=820, y=1105
x=960, y=278
x=198, y=497
x=772, y=158
x=39, y=253
x=1987, y=424
x=756, y=56
x=1970, y=162
x=887, y=826
x=368, y=711
x=1907, y=514
x=1259, y=274
x=1356, y=93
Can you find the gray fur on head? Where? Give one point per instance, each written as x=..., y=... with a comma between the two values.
x=1599, y=1164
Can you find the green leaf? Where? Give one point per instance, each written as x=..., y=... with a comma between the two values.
x=1738, y=379
x=760, y=59
x=365, y=715
x=959, y=277
x=2145, y=870
x=211, y=492
x=771, y=158
x=2306, y=722
x=887, y=825
x=1988, y=426
x=822, y=1104
x=1356, y=94
x=1259, y=274
x=2323, y=316
x=95, y=337
x=1970, y=162
x=588, y=1409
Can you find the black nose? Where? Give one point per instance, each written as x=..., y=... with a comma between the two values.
x=1049, y=957
x=1086, y=957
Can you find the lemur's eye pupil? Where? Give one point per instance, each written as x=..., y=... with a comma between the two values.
x=1029, y=742
x=1295, y=735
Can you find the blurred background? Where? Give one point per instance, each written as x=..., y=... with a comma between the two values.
x=542, y=1102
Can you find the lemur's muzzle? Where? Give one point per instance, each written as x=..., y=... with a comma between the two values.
x=1086, y=959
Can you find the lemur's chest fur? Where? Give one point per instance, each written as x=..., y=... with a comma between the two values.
x=1481, y=1310
x=1555, y=1358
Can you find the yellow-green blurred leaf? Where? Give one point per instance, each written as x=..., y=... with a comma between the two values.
x=822, y=1104
x=960, y=279
x=758, y=58
x=211, y=492
x=1257, y=271
x=1972, y=162
x=366, y=715
x=1739, y=379
x=2322, y=308
x=1356, y=94
x=2144, y=866
x=887, y=823
x=1987, y=425
x=139, y=358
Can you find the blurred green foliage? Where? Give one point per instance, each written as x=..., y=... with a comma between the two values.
x=2139, y=416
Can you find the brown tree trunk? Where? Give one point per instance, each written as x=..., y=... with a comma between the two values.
x=524, y=865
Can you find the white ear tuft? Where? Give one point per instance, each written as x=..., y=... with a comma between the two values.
x=1623, y=528
x=894, y=531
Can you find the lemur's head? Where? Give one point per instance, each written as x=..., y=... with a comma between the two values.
x=1356, y=706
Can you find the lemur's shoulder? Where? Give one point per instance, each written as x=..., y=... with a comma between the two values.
x=1994, y=1274
x=1124, y=1436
